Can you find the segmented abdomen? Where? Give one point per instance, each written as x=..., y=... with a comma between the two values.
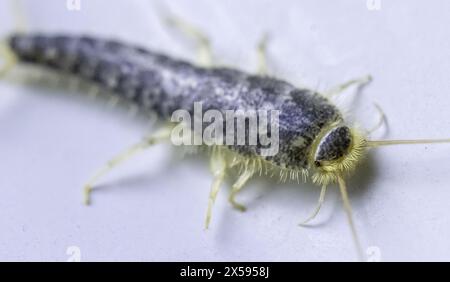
x=164, y=84
x=150, y=79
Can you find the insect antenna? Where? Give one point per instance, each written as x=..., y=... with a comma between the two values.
x=378, y=143
x=348, y=210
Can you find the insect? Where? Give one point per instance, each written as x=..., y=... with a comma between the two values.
x=315, y=141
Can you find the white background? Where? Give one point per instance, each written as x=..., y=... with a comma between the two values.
x=153, y=207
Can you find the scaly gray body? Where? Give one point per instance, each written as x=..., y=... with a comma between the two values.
x=162, y=84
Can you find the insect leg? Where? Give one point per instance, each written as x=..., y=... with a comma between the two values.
x=8, y=59
x=381, y=120
x=19, y=17
x=160, y=135
x=6, y=55
x=319, y=205
x=237, y=186
x=348, y=211
x=204, y=53
x=261, y=52
x=218, y=168
x=340, y=88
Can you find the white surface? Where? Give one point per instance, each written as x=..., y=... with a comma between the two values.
x=153, y=207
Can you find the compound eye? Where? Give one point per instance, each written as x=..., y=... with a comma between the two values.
x=317, y=163
x=334, y=145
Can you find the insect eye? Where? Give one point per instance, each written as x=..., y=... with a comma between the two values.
x=317, y=163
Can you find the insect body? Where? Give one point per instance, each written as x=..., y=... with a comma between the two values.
x=314, y=138
x=312, y=130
